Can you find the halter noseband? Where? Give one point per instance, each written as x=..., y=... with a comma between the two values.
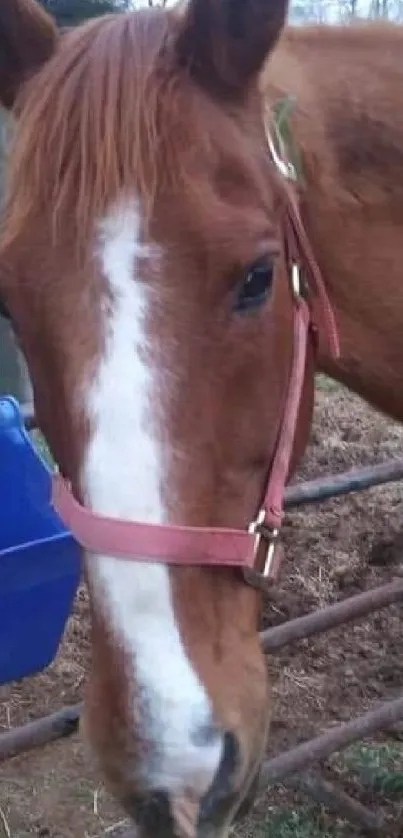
x=253, y=549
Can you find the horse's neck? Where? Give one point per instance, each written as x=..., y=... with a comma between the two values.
x=349, y=130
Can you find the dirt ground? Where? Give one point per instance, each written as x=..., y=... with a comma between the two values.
x=332, y=551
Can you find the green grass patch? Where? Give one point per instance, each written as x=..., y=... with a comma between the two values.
x=378, y=768
x=290, y=823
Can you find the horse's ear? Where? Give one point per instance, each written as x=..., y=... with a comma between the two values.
x=28, y=37
x=224, y=43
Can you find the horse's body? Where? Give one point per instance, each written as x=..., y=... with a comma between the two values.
x=143, y=228
x=349, y=130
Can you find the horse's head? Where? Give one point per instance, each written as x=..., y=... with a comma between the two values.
x=138, y=262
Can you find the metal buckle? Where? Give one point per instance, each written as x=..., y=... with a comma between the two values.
x=266, y=553
x=284, y=167
x=296, y=284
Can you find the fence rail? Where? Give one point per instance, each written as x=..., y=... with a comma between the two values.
x=352, y=608
x=284, y=766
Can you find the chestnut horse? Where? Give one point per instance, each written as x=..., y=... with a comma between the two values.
x=143, y=262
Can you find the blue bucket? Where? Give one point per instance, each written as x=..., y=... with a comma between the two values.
x=39, y=559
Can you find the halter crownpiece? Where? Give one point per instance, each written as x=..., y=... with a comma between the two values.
x=255, y=549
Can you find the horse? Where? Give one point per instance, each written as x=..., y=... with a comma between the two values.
x=175, y=281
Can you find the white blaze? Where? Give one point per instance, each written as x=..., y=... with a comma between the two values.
x=122, y=476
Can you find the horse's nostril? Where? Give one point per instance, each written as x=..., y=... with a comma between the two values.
x=152, y=814
x=206, y=734
x=249, y=799
x=222, y=787
x=229, y=759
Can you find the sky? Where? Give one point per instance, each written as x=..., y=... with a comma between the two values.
x=329, y=11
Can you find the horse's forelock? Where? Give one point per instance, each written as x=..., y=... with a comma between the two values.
x=96, y=113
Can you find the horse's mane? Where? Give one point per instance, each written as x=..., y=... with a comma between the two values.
x=93, y=121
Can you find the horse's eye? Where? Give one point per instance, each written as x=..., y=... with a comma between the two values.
x=256, y=285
